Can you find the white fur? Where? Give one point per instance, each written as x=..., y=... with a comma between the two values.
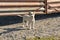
x=30, y=20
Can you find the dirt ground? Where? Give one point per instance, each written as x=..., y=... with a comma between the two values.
x=46, y=25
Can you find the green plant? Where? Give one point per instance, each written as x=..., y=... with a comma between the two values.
x=43, y=38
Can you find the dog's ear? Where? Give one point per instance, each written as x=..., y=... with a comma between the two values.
x=30, y=13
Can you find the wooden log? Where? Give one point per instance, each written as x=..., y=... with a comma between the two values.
x=54, y=5
x=22, y=8
x=53, y=11
x=53, y=1
x=21, y=4
x=13, y=13
x=21, y=0
x=18, y=13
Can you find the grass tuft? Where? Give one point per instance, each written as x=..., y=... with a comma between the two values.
x=43, y=38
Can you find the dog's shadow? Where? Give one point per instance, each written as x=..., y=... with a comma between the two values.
x=11, y=30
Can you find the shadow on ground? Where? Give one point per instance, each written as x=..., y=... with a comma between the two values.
x=11, y=29
x=8, y=20
x=43, y=16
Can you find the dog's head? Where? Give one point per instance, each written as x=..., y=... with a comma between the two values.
x=31, y=13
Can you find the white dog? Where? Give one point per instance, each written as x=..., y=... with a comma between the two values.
x=29, y=20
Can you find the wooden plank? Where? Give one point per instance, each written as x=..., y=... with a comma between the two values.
x=20, y=3
x=20, y=8
x=52, y=11
x=20, y=0
x=18, y=13
x=53, y=0
x=54, y=5
x=39, y=12
x=58, y=9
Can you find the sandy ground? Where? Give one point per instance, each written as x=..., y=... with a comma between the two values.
x=46, y=25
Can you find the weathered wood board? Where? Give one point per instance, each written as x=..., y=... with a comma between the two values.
x=16, y=7
x=53, y=6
